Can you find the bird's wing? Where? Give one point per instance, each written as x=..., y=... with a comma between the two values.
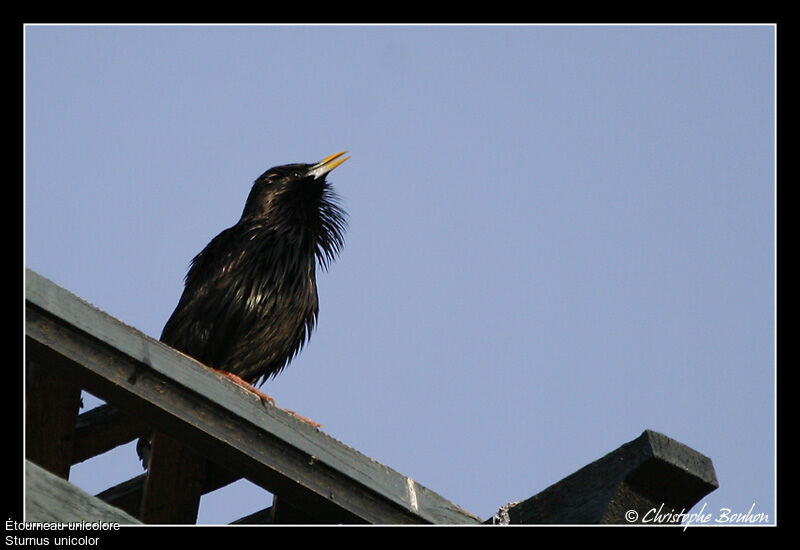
x=204, y=322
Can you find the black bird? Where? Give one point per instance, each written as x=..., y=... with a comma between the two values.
x=250, y=298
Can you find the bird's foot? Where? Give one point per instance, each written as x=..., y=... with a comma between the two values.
x=265, y=398
x=247, y=385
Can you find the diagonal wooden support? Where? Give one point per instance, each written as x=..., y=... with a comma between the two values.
x=102, y=429
x=650, y=472
x=126, y=496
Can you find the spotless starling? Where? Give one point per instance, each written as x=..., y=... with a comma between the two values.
x=250, y=298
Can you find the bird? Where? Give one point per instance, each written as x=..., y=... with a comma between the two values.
x=250, y=301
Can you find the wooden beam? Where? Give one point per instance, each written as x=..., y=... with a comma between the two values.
x=220, y=420
x=174, y=485
x=262, y=517
x=52, y=402
x=48, y=498
x=650, y=472
x=103, y=428
x=282, y=513
x=128, y=494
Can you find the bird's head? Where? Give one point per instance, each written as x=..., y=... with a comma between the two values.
x=289, y=187
x=296, y=199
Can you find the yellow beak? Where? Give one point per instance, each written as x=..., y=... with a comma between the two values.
x=327, y=164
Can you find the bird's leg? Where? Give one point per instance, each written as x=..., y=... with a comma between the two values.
x=264, y=397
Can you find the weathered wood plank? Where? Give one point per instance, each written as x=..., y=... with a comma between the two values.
x=48, y=498
x=52, y=402
x=648, y=472
x=222, y=421
x=174, y=483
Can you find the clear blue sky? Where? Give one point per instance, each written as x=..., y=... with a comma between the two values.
x=559, y=235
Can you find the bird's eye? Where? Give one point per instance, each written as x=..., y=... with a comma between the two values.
x=295, y=174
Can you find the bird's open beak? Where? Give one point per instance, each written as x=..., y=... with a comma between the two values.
x=327, y=164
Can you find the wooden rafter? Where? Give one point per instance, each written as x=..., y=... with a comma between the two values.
x=151, y=388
